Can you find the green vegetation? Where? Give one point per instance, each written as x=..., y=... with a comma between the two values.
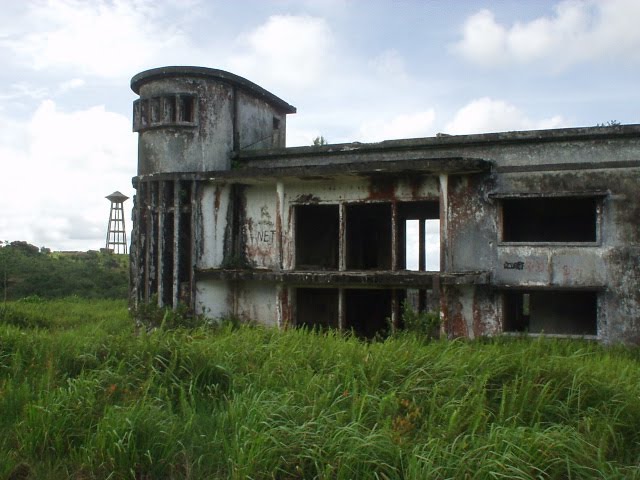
x=424, y=323
x=82, y=396
x=26, y=270
x=319, y=141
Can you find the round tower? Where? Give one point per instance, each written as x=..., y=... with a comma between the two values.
x=191, y=119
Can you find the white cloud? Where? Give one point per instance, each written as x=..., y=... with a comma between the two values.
x=56, y=176
x=103, y=38
x=21, y=90
x=389, y=64
x=578, y=31
x=487, y=115
x=418, y=124
x=287, y=50
x=70, y=85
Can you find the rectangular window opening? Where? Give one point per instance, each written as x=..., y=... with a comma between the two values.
x=184, y=243
x=550, y=219
x=167, y=259
x=317, y=237
x=368, y=231
x=153, y=239
x=169, y=104
x=317, y=307
x=418, y=300
x=552, y=312
x=368, y=311
x=419, y=234
x=168, y=240
x=187, y=108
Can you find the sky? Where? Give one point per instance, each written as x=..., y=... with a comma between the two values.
x=361, y=71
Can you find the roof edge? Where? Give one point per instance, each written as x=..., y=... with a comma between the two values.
x=441, y=140
x=213, y=74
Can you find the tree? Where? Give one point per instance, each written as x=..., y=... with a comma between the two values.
x=610, y=123
x=319, y=141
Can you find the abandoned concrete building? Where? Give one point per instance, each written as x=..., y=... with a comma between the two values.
x=525, y=232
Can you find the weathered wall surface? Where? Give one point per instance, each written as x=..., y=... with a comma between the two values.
x=471, y=223
x=214, y=201
x=257, y=302
x=259, y=228
x=215, y=224
x=214, y=298
x=259, y=126
x=204, y=145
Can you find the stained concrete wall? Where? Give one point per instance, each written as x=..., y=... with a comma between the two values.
x=242, y=218
x=205, y=145
x=228, y=114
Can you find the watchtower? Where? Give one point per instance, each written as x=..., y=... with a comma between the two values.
x=116, y=233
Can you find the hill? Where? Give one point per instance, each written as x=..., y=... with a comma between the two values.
x=26, y=270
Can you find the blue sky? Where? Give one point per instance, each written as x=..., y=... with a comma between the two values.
x=356, y=70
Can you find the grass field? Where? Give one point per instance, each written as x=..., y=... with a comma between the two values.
x=82, y=396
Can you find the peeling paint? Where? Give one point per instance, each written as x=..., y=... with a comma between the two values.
x=226, y=241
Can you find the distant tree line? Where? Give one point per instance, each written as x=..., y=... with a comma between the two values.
x=26, y=270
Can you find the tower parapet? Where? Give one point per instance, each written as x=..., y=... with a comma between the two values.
x=191, y=119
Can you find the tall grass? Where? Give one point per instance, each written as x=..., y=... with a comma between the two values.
x=82, y=396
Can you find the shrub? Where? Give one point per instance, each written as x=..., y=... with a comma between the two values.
x=422, y=323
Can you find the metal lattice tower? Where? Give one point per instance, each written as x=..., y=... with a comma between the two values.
x=116, y=233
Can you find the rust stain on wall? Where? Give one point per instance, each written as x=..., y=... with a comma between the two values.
x=203, y=130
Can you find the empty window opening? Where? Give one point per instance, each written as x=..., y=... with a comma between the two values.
x=186, y=108
x=317, y=307
x=184, y=243
x=152, y=112
x=170, y=110
x=553, y=312
x=368, y=231
x=276, y=123
x=428, y=240
x=317, y=237
x=419, y=235
x=367, y=311
x=561, y=219
x=152, y=240
x=167, y=243
x=418, y=300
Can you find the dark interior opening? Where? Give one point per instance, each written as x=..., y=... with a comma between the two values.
x=368, y=230
x=418, y=300
x=367, y=311
x=553, y=312
x=317, y=237
x=167, y=243
x=184, y=244
x=187, y=108
x=555, y=219
x=141, y=209
x=170, y=109
x=317, y=307
x=153, y=240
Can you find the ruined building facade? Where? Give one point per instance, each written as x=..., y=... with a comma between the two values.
x=535, y=232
